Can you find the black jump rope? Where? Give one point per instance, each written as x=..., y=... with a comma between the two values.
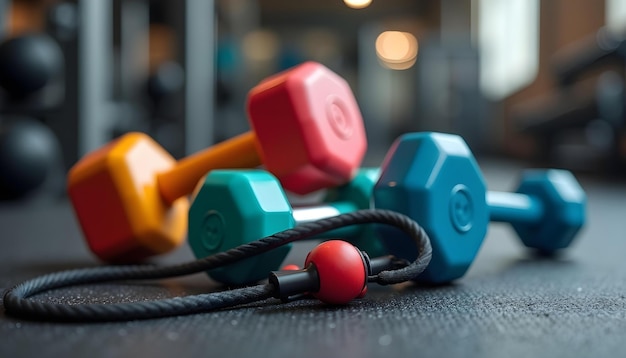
x=17, y=302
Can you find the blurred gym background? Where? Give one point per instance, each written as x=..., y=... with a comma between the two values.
x=537, y=81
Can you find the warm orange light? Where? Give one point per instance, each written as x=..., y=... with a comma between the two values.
x=357, y=4
x=261, y=45
x=24, y=17
x=396, y=50
x=162, y=45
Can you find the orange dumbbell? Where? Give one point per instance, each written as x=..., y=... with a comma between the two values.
x=130, y=196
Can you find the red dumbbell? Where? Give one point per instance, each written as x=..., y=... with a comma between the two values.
x=130, y=195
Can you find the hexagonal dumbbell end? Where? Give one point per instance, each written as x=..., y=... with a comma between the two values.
x=233, y=208
x=358, y=194
x=434, y=179
x=308, y=126
x=115, y=195
x=564, y=209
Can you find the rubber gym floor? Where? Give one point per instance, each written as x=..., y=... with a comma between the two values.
x=510, y=304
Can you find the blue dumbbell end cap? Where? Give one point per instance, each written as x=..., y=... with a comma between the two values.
x=564, y=202
x=434, y=179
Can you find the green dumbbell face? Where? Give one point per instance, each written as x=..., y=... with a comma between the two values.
x=434, y=179
x=359, y=192
x=234, y=208
x=564, y=204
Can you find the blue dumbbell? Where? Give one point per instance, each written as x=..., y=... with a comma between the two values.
x=434, y=179
x=234, y=207
x=547, y=211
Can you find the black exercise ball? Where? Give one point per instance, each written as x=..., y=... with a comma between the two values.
x=29, y=62
x=28, y=152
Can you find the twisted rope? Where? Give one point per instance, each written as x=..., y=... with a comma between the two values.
x=17, y=302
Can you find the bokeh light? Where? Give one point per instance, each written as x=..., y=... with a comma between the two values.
x=357, y=4
x=396, y=50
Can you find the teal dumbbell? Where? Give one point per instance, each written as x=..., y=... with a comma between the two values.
x=434, y=179
x=235, y=207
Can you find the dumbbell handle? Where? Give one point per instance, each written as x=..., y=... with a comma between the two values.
x=503, y=207
x=238, y=152
x=514, y=207
x=307, y=214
